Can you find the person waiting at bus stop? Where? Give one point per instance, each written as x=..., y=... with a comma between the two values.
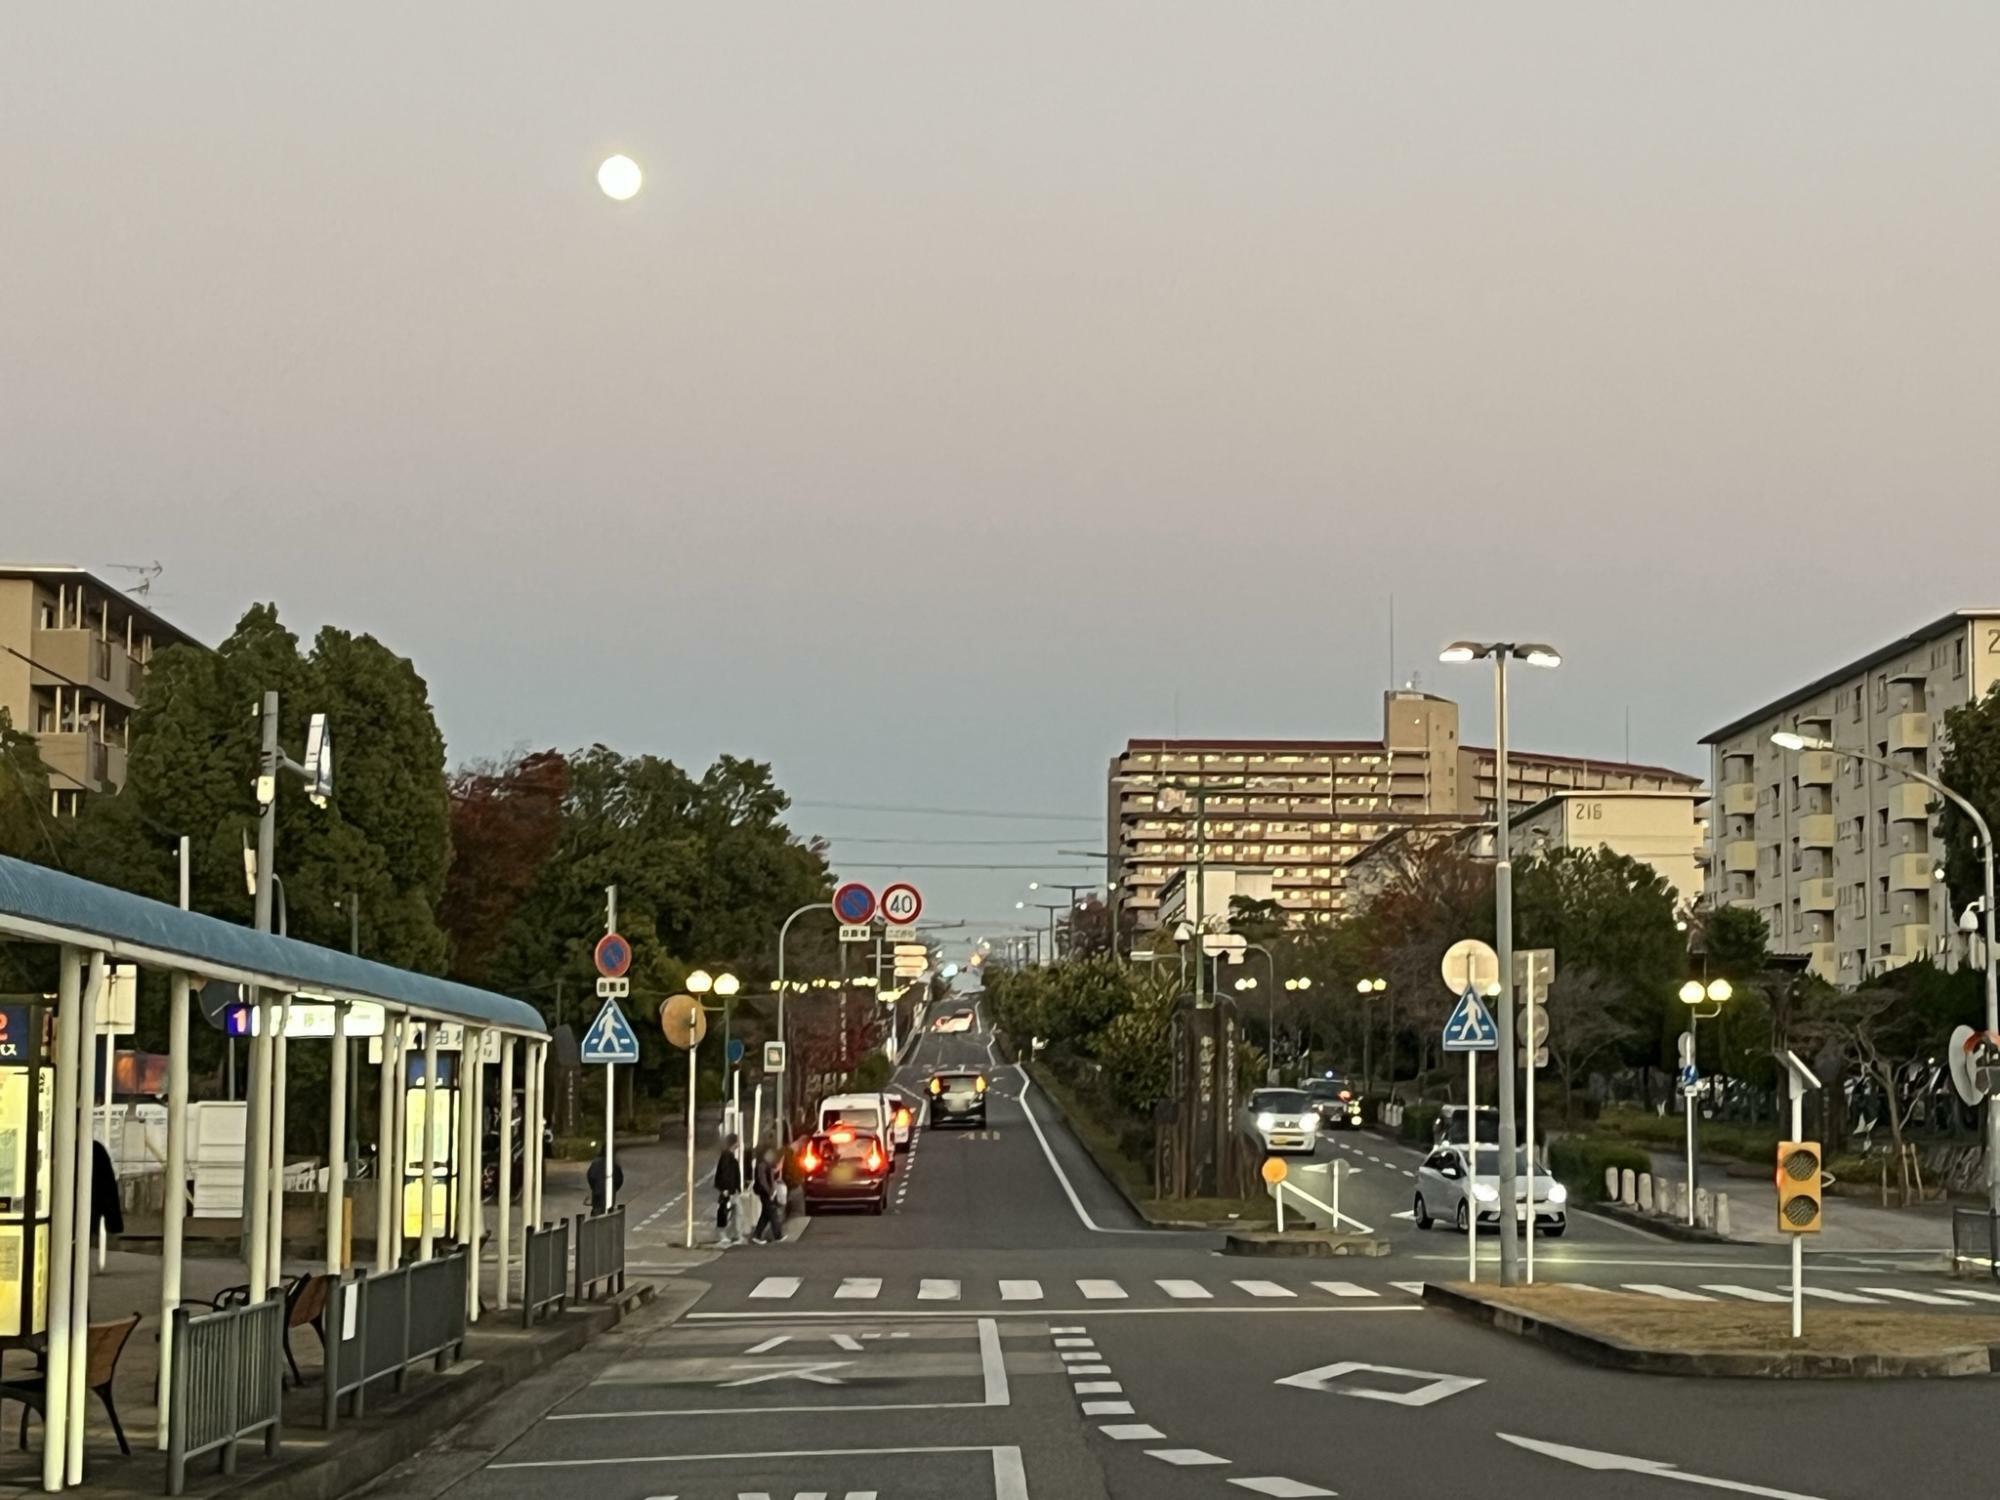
x=594, y=1176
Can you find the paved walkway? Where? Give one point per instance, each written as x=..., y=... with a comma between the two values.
x=1852, y=1224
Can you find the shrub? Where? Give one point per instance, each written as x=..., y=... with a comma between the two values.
x=1419, y=1126
x=1578, y=1162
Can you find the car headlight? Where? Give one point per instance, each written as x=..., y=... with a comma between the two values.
x=1267, y=1122
x=1308, y=1123
x=1558, y=1194
x=1485, y=1192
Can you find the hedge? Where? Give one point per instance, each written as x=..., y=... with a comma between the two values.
x=1578, y=1162
x=1419, y=1125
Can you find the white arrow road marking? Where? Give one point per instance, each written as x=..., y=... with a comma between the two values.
x=769, y=1344
x=847, y=1342
x=1588, y=1458
x=1435, y=1387
x=810, y=1372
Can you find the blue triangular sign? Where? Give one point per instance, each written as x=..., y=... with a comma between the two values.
x=610, y=1038
x=1471, y=1027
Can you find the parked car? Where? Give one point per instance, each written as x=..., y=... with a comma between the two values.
x=845, y=1166
x=869, y=1113
x=1336, y=1101
x=1450, y=1127
x=1281, y=1121
x=1451, y=1188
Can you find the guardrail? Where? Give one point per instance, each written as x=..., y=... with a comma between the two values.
x=228, y=1384
x=544, y=1270
x=1975, y=1241
x=378, y=1326
x=600, y=1252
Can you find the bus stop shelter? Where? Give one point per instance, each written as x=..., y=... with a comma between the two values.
x=283, y=982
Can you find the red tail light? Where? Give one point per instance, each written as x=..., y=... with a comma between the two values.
x=874, y=1161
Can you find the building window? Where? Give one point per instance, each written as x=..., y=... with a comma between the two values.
x=1881, y=691
x=1882, y=895
x=1958, y=657
x=1882, y=749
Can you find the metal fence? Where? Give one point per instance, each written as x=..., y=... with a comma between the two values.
x=1975, y=1241
x=600, y=1252
x=378, y=1326
x=544, y=1270
x=228, y=1384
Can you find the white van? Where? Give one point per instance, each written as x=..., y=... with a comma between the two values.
x=869, y=1112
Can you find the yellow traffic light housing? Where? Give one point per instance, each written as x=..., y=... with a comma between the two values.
x=1799, y=1169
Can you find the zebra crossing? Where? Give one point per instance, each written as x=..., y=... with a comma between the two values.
x=1024, y=1294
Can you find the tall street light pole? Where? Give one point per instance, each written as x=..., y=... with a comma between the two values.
x=784, y=932
x=1535, y=655
x=1787, y=741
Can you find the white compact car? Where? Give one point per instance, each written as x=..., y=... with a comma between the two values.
x=1448, y=1190
x=1281, y=1120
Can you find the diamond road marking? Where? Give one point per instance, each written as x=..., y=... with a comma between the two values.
x=1435, y=1387
x=1187, y=1291
x=779, y=1287
x=864, y=1287
x=1266, y=1289
x=1747, y=1293
x=1282, y=1489
x=1020, y=1291
x=1101, y=1291
x=1671, y=1293
x=937, y=1291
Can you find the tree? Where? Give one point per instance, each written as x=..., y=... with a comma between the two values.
x=1873, y=1029
x=27, y=829
x=1971, y=767
x=506, y=820
x=1582, y=1028
x=1256, y=920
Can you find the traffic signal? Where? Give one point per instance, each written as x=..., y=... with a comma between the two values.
x=1799, y=1209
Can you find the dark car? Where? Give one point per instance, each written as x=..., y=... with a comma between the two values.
x=845, y=1167
x=1337, y=1101
x=958, y=1097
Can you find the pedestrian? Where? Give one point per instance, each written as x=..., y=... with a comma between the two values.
x=768, y=1187
x=728, y=1184
x=594, y=1176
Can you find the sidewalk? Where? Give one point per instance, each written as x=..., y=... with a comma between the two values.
x=1852, y=1224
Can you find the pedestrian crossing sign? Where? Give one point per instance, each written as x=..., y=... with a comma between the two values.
x=611, y=1038
x=1471, y=1027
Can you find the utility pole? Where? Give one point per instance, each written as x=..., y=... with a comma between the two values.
x=1503, y=918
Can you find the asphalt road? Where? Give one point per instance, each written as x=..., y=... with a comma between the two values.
x=1009, y=1330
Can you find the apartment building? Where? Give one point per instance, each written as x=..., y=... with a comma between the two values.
x=1667, y=830
x=73, y=651
x=1306, y=809
x=1840, y=855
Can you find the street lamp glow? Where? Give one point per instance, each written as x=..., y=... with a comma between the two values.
x=727, y=985
x=1539, y=656
x=1691, y=992
x=1462, y=651
x=619, y=177
x=700, y=982
x=1785, y=739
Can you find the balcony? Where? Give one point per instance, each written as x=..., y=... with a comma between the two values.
x=1910, y=872
x=1816, y=894
x=1739, y=799
x=1909, y=941
x=1910, y=802
x=1816, y=831
x=77, y=760
x=1739, y=857
x=1821, y=955
x=1909, y=732
x=1816, y=767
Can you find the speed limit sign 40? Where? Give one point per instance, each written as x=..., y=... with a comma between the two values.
x=901, y=905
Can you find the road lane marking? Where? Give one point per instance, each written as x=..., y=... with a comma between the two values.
x=813, y=1372
x=1265, y=1289
x=1929, y=1299
x=1076, y=1343
x=1019, y=1492
x=1075, y=1370
x=1185, y=1290
x=779, y=1287
x=1345, y=1289
x=930, y=1290
x=1747, y=1293
x=1280, y=1489
x=1073, y=1328
x=1183, y=1458
x=1131, y=1432
x=1671, y=1293
x=1827, y=1293
x=1078, y=1356
x=1107, y=1408
x=1966, y=1291
x=1098, y=1387
x=1101, y=1291
x=1010, y=1478
x=992, y=1363
x=1097, y=1310
x=1069, y=1192
x=1020, y=1291
x=864, y=1287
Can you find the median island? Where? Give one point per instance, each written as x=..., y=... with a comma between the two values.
x=1624, y=1330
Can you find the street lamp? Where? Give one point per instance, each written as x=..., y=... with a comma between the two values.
x=618, y=177
x=1694, y=995
x=1535, y=654
x=1367, y=989
x=1788, y=740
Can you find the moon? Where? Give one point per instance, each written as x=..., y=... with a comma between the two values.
x=619, y=177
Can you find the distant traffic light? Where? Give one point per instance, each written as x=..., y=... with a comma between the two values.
x=1799, y=1167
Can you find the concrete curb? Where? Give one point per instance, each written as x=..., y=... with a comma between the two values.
x=1317, y=1245
x=1666, y=1229
x=1610, y=1354
x=1117, y=1186
x=363, y=1454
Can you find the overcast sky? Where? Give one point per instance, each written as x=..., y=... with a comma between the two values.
x=974, y=386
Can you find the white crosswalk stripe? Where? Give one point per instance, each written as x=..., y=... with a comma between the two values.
x=1929, y=1299
x=779, y=1287
x=1746, y=1293
x=1829, y=1294
x=1345, y=1289
x=1266, y=1289
x=1102, y=1291
x=1671, y=1293
x=1414, y=1288
x=1281, y=1489
x=1185, y=1291
x=865, y=1287
x=930, y=1290
x=1020, y=1291
x=1973, y=1292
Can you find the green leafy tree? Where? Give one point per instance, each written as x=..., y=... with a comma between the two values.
x=27, y=828
x=1971, y=767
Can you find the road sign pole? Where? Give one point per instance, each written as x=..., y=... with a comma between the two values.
x=610, y=1101
x=690, y=1161
x=1471, y=1166
x=1528, y=1103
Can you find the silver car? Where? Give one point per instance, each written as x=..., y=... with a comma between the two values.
x=1281, y=1121
x=1443, y=1179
